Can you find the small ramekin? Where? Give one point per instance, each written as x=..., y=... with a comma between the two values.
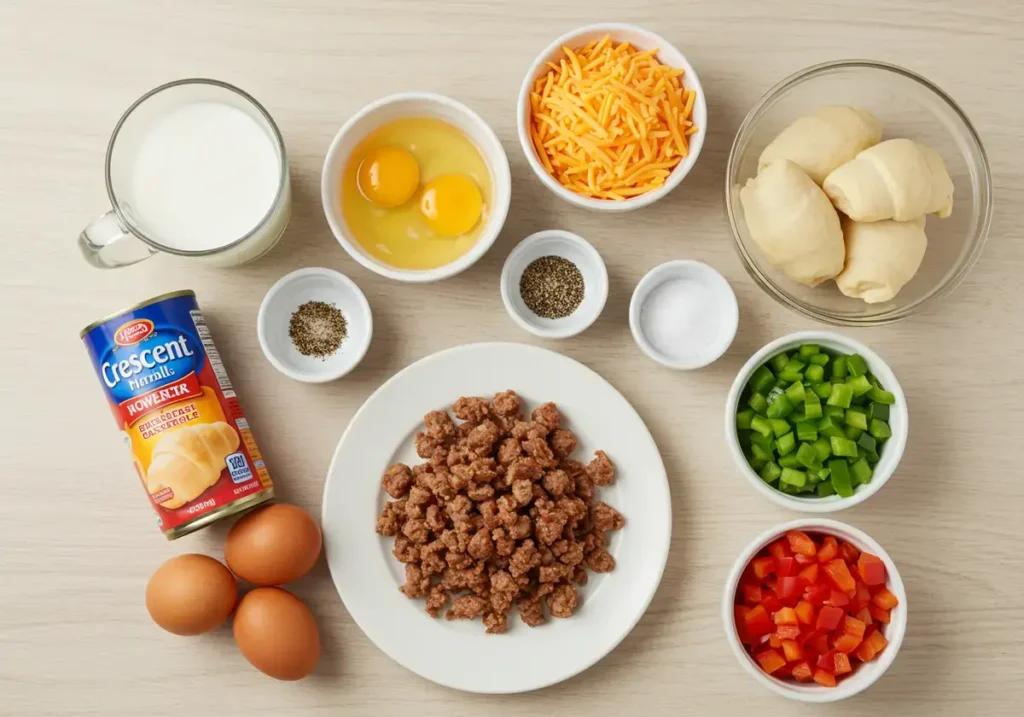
x=864, y=674
x=295, y=289
x=891, y=453
x=568, y=246
x=416, y=104
x=719, y=300
x=644, y=40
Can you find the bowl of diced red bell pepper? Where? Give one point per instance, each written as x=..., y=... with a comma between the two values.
x=815, y=610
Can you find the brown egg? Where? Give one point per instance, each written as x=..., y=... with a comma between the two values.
x=191, y=594
x=273, y=545
x=276, y=632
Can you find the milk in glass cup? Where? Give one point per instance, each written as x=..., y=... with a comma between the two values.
x=195, y=168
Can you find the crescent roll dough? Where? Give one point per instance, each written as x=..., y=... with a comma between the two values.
x=821, y=141
x=189, y=460
x=881, y=257
x=897, y=179
x=793, y=223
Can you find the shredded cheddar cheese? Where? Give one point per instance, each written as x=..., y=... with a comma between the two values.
x=609, y=121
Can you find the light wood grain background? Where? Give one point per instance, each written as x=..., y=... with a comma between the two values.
x=77, y=542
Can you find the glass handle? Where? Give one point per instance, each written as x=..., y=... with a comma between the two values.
x=106, y=244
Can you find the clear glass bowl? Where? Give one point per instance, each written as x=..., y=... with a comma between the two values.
x=909, y=106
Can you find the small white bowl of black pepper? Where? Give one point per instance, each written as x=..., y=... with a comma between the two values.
x=554, y=284
x=314, y=325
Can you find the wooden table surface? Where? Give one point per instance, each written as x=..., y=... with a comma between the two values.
x=77, y=542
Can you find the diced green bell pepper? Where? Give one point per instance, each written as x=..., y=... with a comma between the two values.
x=823, y=447
x=868, y=443
x=762, y=380
x=812, y=405
x=841, y=396
x=780, y=427
x=791, y=376
x=852, y=432
x=823, y=390
x=758, y=402
x=843, y=447
x=841, y=480
x=878, y=410
x=808, y=350
x=856, y=418
x=761, y=425
x=839, y=370
x=871, y=456
x=786, y=444
x=779, y=362
x=780, y=407
x=795, y=392
x=789, y=461
x=861, y=471
x=814, y=373
x=819, y=359
x=743, y=418
x=766, y=442
x=882, y=396
x=794, y=365
x=828, y=427
x=825, y=489
x=756, y=463
x=835, y=412
x=859, y=385
x=771, y=472
x=856, y=365
x=879, y=429
x=793, y=477
x=807, y=430
x=761, y=454
x=808, y=457
x=823, y=473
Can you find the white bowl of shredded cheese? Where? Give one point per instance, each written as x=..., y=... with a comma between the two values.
x=609, y=132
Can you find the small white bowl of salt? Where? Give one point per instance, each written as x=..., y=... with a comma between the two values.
x=683, y=314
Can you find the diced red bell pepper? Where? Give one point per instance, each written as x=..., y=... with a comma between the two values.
x=786, y=616
x=805, y=613
x=758, y=622
x=848, y=552
x=871, y=569
x=847, y=643
x=770, y=660
x=864, y=615
x=787, y=632
x=802, y=672
x=809, y=574
x=740, y=612
x=802, y=559
x=853, y=626
x=770, y=602
x=775, y=641
x=838, y=598
x=839, y=573
x=763, y=567
x=873, y=644
x=885, y=599
x=783, y=672
x=819, y=643
x=780, y=549
x=825, y=679
x=792, y=650
x=752, y=594
x=827, y=661
x=790, y=589
x=861, y=596
x=785, y=566
x=828, y=618
x=842, y=662
x=800, y=543
x=829, y=549
x=818, y=594
x=878, y=614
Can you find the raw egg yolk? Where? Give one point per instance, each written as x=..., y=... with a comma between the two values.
x=452, y=204
x=388, y=176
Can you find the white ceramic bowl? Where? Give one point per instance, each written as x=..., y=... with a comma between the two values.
x=416, y=104
x=711, y=301
x=295, y=289
x=864, y=674
x=568, y=246
x=891, y=452
x=644, y=40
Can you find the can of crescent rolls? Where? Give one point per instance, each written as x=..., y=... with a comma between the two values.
x=178, y=413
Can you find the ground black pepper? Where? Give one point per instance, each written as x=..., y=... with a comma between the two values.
x=317, y=329
x=552, y=287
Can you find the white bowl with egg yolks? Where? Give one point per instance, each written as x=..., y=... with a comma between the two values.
x=641, y=39
x=415, y=104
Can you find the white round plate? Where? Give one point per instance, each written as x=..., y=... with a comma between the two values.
x=459, y=654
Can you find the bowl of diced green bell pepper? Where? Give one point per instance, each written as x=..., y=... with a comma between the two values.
x=816, y=421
